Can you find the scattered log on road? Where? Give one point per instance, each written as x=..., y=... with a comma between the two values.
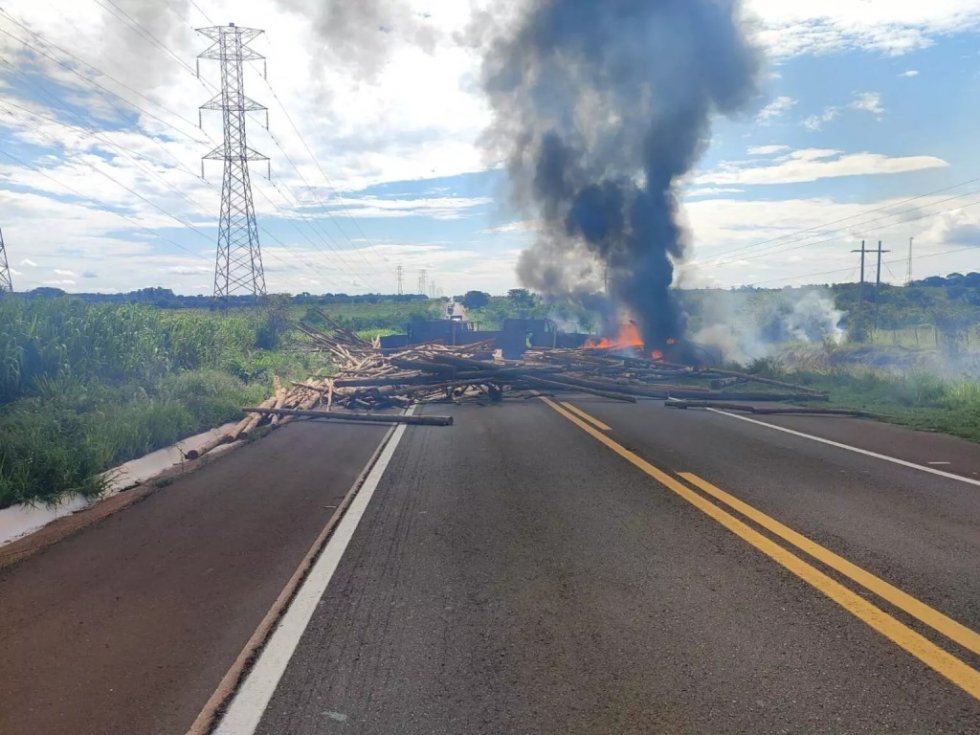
x=379, y=418
x=765, y=410
x=368, y=378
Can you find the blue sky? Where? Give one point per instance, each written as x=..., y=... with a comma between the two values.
x=863, y=106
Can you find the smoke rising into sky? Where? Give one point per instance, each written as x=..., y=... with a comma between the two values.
x=598, y=109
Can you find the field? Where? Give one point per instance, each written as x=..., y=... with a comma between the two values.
x=84, y=387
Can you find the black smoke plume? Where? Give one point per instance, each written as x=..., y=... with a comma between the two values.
x=599, y=108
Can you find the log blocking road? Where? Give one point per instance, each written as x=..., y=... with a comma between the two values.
x=573, y=566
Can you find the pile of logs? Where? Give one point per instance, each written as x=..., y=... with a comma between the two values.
x=369, y=378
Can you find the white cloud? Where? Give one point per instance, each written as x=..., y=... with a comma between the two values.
x=442, y=208
x=701, y=191
x=798, y=241
x=766, y=150
x=521, y=226
x=385, y=127
x=812, y=164
x=868, y=102
x=816, y=122
x=893, y=27
x=910, y=73
x=363, y=130
x=861, y=102
x=65, y=272
x=189, y=270
x=776, y=109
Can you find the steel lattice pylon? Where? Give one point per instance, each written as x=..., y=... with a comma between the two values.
x=6, y=285
x=238, y=264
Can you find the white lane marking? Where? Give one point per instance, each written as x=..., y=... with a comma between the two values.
x=848, y=447
x=935, y=463
x=248, y=705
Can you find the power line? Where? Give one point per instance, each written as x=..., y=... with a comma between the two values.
x=148, y=34
x=120, y=13
x=133, y=23
x=136, y=26
x=893, y=261
x=794, y=236
x=125, y=153
x=179, y=192
x=136, y=194
x=316, y=161
x=92, y=82
x=79, y=194
x=198, y=8
x=714, y=260
x=312, y=191
x=312, y=220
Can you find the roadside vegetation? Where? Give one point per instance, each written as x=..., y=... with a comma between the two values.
x=86, y=386
x=89, y=381
x=918, y=398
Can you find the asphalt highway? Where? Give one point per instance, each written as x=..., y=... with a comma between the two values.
x=566, y=565
x=516, y=574
x=127, y=627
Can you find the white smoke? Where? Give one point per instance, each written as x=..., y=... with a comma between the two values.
x=752, y=325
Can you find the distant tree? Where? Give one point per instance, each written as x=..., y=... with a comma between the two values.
x=521, y=298
x=475, y=299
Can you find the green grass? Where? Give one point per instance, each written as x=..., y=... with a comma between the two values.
x=84, y=387
x=917, y=398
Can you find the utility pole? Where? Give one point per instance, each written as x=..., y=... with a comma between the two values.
x=422, y=281
x=878, y=282
x=908, y=272
x=861, y=287
x=860, y=309
x=6, y=285
x=238, y=263
x=400, y=274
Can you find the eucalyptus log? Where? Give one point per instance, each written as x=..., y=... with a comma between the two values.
x=558, y=385
x=380, y=418
x=766, y=410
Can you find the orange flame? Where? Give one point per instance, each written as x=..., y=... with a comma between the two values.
x=629, y=336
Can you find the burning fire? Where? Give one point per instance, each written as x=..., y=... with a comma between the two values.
x=628, y=338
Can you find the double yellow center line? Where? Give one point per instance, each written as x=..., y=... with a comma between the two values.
x=955, y=670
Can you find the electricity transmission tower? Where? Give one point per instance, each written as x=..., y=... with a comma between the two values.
x=400, y=275
x=5, y=283
x=238, y=264
x=422, y=281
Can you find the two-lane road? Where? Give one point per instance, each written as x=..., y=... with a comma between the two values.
x=566, y=565
x=587, y=567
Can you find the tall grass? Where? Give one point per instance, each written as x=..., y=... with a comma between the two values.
x=916, y=397
x=85, y=386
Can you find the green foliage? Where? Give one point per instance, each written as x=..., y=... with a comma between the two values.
x=476, y=299
x=918, y=398
x=86, y=386
x=392, y=314
x=521, y=298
